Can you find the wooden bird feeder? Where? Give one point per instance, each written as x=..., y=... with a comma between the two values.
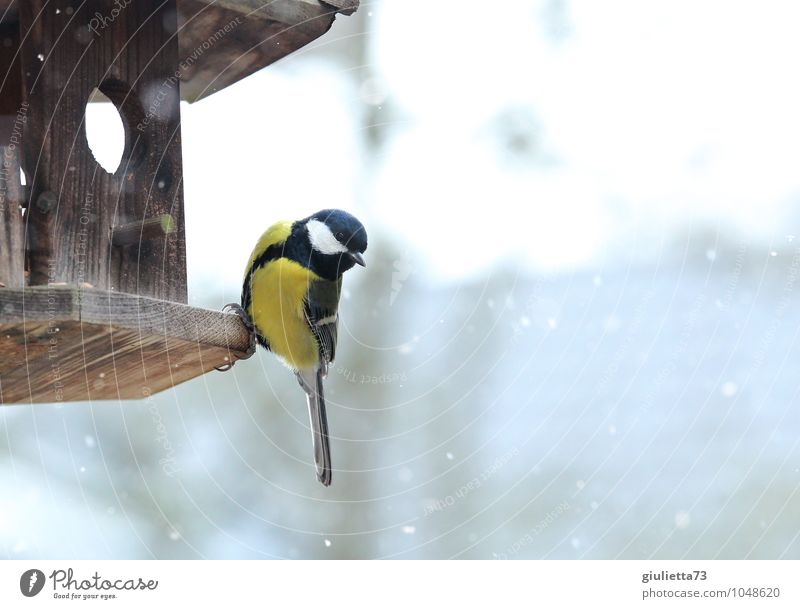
x=93, y=265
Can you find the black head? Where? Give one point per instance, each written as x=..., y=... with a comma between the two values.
x=337, y=239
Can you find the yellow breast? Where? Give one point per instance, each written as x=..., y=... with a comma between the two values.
x=278, y=291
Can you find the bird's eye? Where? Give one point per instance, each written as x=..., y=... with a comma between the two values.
x=340, y=237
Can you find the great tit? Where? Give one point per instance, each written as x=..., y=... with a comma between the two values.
x=290, y=301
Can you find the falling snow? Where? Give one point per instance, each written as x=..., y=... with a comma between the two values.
x=405, y=474
x=682, y=519
x=729, y=389
x=611, y=324
x=405, y=349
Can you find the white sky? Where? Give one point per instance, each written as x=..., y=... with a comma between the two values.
x=656, y=114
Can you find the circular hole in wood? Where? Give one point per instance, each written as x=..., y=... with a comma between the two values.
x=105, y=131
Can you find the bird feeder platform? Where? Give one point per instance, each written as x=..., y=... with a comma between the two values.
x=71, y=224
x=61, y=343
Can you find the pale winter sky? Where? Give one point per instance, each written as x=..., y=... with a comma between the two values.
x=648, y=118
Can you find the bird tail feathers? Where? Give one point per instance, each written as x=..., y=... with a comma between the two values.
x=311, y=382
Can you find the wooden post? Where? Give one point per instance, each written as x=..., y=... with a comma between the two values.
x=130, y=53
x=13, y=113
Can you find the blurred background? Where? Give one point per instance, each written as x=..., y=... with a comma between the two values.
x=577, y=333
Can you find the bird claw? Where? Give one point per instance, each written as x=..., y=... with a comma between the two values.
x=236, y=308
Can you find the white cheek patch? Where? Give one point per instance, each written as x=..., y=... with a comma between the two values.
x=322, y=238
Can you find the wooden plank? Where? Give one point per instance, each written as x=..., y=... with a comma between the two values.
x=346, y=7
x=134, y=233
x=62, y=343
x=272, y=9
x=132, y=59
x=264, y=31
x=13, y=113
x=223, y=42
x=12, y=234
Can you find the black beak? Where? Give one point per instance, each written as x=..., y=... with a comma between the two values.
x=357, y=257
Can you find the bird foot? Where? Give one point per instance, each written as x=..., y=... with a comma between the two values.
x=248, y=323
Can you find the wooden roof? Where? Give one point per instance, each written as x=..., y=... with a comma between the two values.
x=222, y=41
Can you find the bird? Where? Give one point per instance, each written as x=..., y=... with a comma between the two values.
x=290, y=304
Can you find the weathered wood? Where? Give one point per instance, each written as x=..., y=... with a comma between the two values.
x=263, y=32
x=346, y=7
x=67, y=344
x=12, y=239
x=13, y=112
x=130, y=55
x=10, y=78
x=289, y=12
x=134, y=233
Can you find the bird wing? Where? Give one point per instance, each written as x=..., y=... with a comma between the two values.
x=321, y=308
